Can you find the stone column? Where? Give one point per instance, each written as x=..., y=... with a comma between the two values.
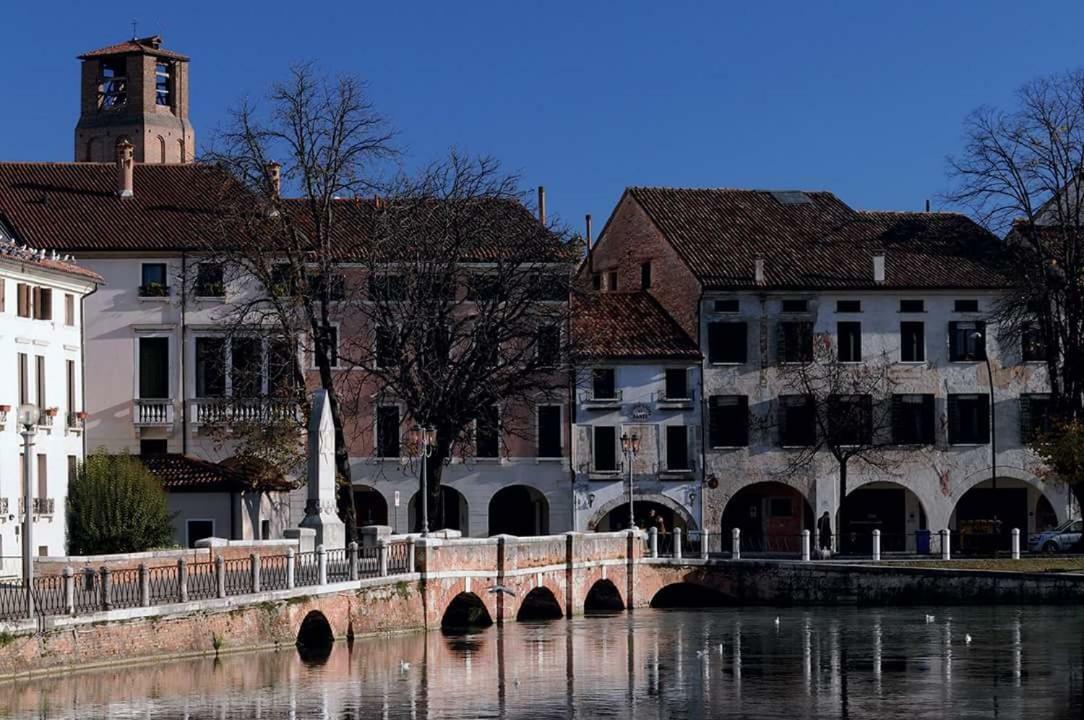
x=677, y=543
x=382, y=553
x=412, y=566
x=321, y=562
x=876, y=545
x=69, y=590
x=653, y=540
x=254, y=572
x=321, y=508
x=352, y=559
x=735, y=544
x=805, y=545
x=144, y=586
x=946, y=550
x=704, y=544
x=182, y=580
x=291, y=568
x=220, y=575
x=1015, y=547
x=107, y=588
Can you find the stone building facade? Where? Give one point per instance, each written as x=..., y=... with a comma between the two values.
x=916, y=289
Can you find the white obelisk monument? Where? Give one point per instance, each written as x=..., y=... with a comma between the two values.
x=321, y=508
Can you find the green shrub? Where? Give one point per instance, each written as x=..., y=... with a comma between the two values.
x=116, y=505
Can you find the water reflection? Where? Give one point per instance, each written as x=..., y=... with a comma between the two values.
x=845, y=663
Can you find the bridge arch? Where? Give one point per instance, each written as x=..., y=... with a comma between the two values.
x=614, y=515
x=539, y=604
x=603, y=597
x=690, y=595
x=466, y=611
x=315, y=637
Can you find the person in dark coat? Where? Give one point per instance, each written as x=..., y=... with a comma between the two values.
x=824, y=532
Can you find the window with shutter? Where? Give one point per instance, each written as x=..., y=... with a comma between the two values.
x=851, y=419
x=728, y=421
x=797, y=424
x=1034, y=416
x=22, y=291
x=605, y=448
x=969, y=419
x=795, y=342
x=967, y=341
x=913, y=419
x=677, y=447
x=912, y=342
x=849, y=341
x=727, y=342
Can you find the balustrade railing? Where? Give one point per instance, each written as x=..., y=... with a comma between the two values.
x=153, y=411
x=218, y=411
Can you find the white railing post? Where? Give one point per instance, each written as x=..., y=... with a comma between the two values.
x=1016, y=543
x=254, y=572
x=946, y=550
x=735, y=544
x=677, y=543
x=69, y=590
x=107, y=588
x=805, y=545
x=291, y=566
x=653, y=541
x=182, y=580
x=321, y=562
x=411, y=567
x=704, y=544
x=144, y=586
x=220, y=575
x=382, y=550
x=352, y=559
x=876, y=545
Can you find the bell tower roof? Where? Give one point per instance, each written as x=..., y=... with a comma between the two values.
x=150, y=45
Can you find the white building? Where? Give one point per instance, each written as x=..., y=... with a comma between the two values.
x=756, y=275
x=41, y=357
x=637, y=387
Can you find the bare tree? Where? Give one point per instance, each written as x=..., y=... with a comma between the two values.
x=281, y=259
x=836, y=407
x=1020, y=173
x=463, y=320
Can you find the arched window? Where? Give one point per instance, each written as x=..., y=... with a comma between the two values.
x=161, y=149
x=180, y=145
x=91, y=151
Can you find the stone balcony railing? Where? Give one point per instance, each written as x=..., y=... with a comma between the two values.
x=153, y=412
x=42, y=506
x=228, y=411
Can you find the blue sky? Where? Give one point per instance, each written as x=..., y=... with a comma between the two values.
x=862, y=98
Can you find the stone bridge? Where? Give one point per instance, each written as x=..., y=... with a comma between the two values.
x=475, y=582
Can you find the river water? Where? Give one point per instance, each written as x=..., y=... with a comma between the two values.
x=1021, y=662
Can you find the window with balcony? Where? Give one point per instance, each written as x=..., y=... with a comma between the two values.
x=913, y=419
x=849, y=336
x=677, y=384
x=246, y=367
x=727, y=343
x=210, y=367
x=604, y=448
x=677, y=447
x=912, y=341
x=728, y=421
x=281, y=368
x=154, y=282
x=549, y=431
x=969, y=419
x=209, y=280
x=967, y=341
x=387, y=431
x=797, y=422
x=603, y=384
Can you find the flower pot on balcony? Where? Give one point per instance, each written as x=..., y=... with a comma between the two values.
x=5, y=408
x=51, y=412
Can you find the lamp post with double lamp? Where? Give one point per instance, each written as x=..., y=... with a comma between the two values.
x=630, y=445
x=424, y=438
x=28, y=415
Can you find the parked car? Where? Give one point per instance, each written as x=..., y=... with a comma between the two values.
x=1063, y=538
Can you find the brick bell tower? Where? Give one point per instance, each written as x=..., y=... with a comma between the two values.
x=136, y=91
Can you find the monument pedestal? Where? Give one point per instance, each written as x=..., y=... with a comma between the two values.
x=321, y=508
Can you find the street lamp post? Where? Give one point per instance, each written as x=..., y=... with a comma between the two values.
x=426, y=443
x=630, y=445
x=28, y=415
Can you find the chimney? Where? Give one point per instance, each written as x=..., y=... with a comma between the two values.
x=588, y=219
x=125, y=169
x=879, y=267
x=927, y=204
x=541, y=204
x=758, y=269
x=274, y=177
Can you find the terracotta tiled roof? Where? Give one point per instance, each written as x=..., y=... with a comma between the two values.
x=813, y=240
x=183, y=473
x=73, y=207
x=627, y=325
x=148, y=45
